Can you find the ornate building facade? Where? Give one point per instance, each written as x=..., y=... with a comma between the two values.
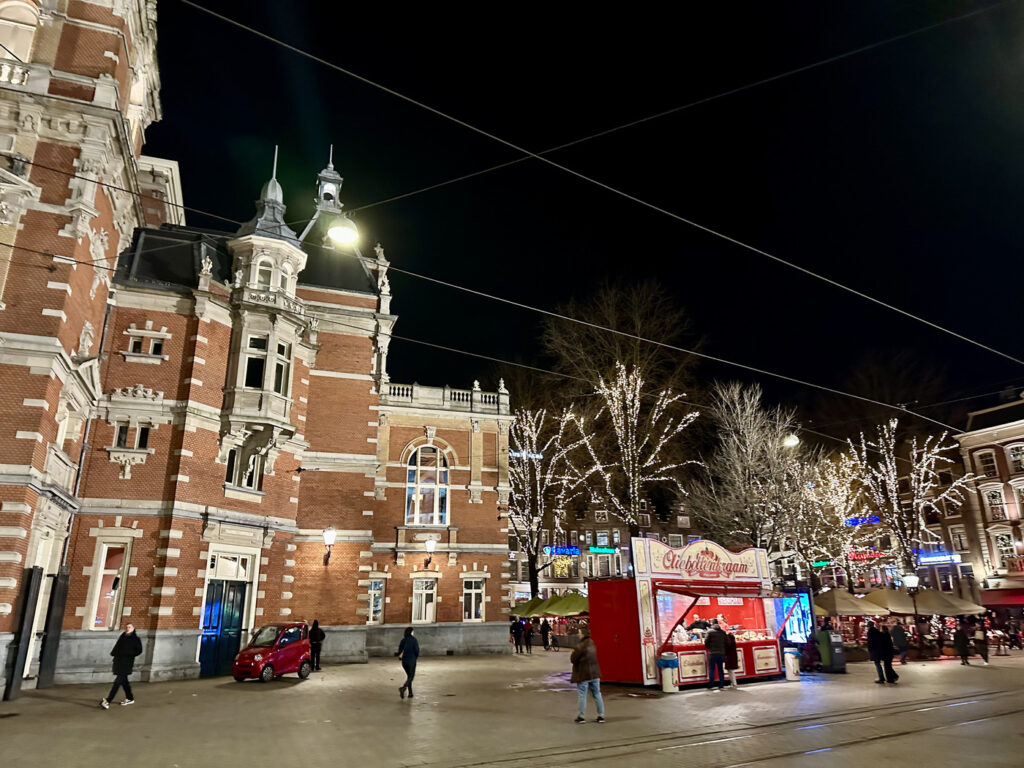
x=199, y=431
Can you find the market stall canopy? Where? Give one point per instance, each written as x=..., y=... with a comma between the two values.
x=523, y=609
x=572, y=604
x=932, y=601
x=896, y=601
x=819, y=611
x=543, y=608
x=964, y=607
x=839, y=602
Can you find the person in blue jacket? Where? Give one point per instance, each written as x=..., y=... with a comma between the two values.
x=408, y=651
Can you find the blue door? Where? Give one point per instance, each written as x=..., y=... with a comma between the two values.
x=222, y=626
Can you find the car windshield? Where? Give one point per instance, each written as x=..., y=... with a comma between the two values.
x=266, y=636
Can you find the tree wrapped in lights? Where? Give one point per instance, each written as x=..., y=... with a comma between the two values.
x=753, y=480
x=637, y=455
x=880, y=467
x=542, y=482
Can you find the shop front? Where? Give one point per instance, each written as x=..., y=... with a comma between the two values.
x=635, y=621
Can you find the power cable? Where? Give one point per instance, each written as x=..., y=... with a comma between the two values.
x=615, y=190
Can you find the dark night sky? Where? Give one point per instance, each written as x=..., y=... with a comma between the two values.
x=896, y=171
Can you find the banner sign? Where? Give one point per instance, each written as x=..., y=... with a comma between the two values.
x=705, y=561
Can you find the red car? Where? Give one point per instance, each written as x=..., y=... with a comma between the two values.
x=274, y=650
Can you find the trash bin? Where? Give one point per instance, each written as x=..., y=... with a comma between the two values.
x=792, y=659
x=668, y=664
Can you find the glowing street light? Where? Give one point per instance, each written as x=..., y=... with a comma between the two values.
x=343, y=231
x=329, y=537
x=431, y=545
x=790, y=441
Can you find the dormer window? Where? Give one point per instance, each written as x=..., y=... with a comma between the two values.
x=264, y=276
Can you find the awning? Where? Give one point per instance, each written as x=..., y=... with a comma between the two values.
x=896, y=601
x=994, y=597
x=964, y=607
x=925, y=603
x=523, y=609
x=571, y=604
x=839, y=602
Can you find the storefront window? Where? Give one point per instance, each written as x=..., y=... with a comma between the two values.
x=424, y=597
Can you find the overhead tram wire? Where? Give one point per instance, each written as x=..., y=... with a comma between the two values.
x=616, y=191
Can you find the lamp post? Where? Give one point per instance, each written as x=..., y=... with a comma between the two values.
x=343, y=231
x=913, y=582
x=431, y=545
x=791, y=440
x=329, y=536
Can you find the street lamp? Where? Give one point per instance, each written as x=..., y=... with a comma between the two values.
x=790, y=441
x=329, y=536
x=431, y=545
x=343, y=231
x=913, y=582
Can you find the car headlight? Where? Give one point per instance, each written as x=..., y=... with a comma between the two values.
x=258, y=657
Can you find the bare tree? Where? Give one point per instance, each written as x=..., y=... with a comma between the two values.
x=748, y=484
x=637, y=457
x=542, y=484
x=902, y=510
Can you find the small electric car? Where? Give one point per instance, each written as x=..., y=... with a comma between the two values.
x=276, y=649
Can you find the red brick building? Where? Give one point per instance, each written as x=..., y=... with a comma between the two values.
x=178, y=432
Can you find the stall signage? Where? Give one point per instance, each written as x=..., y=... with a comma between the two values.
x=562, y=551
x=603, y=550
x=867, y=555
x=705, y=561
x=729, y=600
x=693, y=666
x=850, y=522
x=766, y=659
x=939, y=558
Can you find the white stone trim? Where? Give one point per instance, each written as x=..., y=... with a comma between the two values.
x=12, y=532
x=59, y=286
x=341, y=375
x=55, y=313
x=30, y=402
x=23, y=435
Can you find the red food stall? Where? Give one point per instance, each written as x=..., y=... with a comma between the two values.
x=633, y=621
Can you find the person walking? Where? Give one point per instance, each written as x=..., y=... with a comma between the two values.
x=528, y=636
x=714, y=641
x=961, y=644
x=888, y=652
x=408, y=652
x=876, y=650
x=732, y=659
x=900, y=642
x=587, y=675
x=981, y=642
x=316, y=644
x=517, y=634
x=127, y=647
x=545, y=634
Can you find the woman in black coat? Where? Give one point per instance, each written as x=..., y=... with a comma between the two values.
x=409, y=652
x=127, y=647
x=316, y=644
x=961, y=644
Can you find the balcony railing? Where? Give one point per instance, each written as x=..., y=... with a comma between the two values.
x=13, y=73
x=446, y=398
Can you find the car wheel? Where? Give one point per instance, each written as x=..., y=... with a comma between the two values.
x=304, y=669
x=267, y=674
x=239, y=679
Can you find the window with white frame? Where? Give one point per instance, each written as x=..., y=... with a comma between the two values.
x=675, y=540
x=108, y=582
x=545, y=537
x=472, y=599
x=601, y=516
x=616, y=537
x=958, y=538
x=1005, y=547
x=996, y=503
x=987, y=464
x=644, y=520
x=375, y=614
x=424, y=600
x=229, y=566
x=602, y=538
x=247, y=473
x=426, y=495
x=1016, y=455
x=574, y=538
x=1019, y=490
x=588, y=538
x=682, y=521
x=950, y=510
x=282, y=367
x=513, y=542
x=604, y=565
x=18, y=22
x=264, y=275
x=255, y=361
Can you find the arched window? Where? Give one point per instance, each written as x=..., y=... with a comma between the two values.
x=426, y=494
x=1015, y=454
x=18, y=22
x=264, y=275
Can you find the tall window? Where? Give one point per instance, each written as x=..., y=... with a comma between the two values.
x=958, y=537
x=472, y=599
x=108, y=578
x=589, y=538
x=376, y=614
x=1005, y=547
x=264, y=275
x=1016, y=453
x=987, y=464
x=616, y=537
x=574, y=538
x=247, y=474
x=282, y=364
x=424, y=599
x=996, y=504
x=426, y=495
x=255, y=361
x=602, y=538
x=644, y=520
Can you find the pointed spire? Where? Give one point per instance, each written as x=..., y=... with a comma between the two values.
x=270, y=208
x=330, y=158
x=273, y=173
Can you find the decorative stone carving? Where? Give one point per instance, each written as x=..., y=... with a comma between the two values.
x=128, y=458
x=476, y=425
x=85, y=339
x=431, y=431
x=239, y=278
x=475, y=492
x=139, y=392
x=476, y=385
x=98, y=244
x=501, y=387
x=207, y=269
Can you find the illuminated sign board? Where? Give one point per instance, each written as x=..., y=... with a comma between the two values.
x=603, y=550
x=852, y=521
x=867, y=555
x=525, y=455
x=939, y=558
x=821, y=563
x=561, y=550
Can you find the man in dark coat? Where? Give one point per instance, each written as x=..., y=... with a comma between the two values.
x=876, y=650
x=901, y=642
x=316, y=644
x=517, y=634
x=409, y=652
x=127, y=647
x=962, y=644
x=587, y=676
x=714, y=641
